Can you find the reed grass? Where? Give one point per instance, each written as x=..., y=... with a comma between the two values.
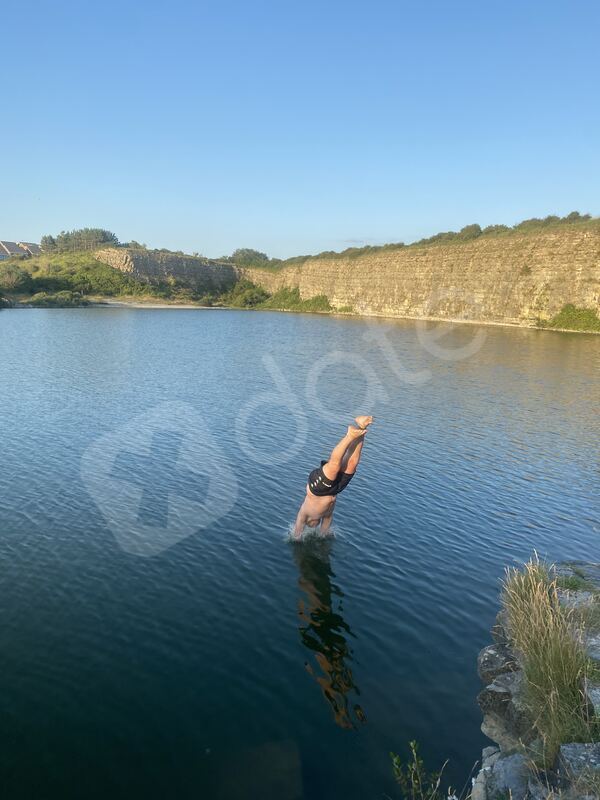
x=549, y=641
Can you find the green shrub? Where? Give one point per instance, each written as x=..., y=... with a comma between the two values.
x=13, y=278
x=575, y=319
x=58, y=300
x=490, y=229
x=289, y=300
x=573, y=583
x=245, y=295
x=414, y=781
x=206, y=299
x=77, y=272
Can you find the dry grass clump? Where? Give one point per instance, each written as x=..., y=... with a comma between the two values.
x=549, y=641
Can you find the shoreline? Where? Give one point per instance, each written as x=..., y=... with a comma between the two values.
x=95, y=303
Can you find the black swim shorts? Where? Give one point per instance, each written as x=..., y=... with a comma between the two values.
x=322, y=486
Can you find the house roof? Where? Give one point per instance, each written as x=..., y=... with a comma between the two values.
x=33, y=248
x=12, y=248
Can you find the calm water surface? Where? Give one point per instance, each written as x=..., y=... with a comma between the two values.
x=235, y=664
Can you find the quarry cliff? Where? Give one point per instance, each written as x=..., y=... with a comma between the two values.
x=516, y=278
x=156, y=266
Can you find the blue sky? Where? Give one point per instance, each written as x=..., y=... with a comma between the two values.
x=295, y=127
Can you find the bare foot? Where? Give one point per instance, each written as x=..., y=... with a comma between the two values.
x=363, y=422
x=355, y=433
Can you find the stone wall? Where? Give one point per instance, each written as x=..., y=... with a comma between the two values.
x=515, y=278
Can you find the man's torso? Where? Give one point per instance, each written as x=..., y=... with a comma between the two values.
x=318, y=507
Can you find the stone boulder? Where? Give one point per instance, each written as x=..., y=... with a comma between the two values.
x=509, y=777
x=500, y=629
x=575, y=599
x=506, y=720
x=591, y=691
x=494, y=660
x=579, y=768
x=496, y=728
x=501, y=776
x=592, y=645
x=503, y=702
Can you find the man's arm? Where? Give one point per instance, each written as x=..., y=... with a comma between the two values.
x=326, y=523
x=300, y=523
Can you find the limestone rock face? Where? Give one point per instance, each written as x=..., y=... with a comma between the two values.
x=516, y=278
x=153, y=266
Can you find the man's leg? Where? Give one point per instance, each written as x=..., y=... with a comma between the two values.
x=334, y=464
x=353, y=453
x=352, y=456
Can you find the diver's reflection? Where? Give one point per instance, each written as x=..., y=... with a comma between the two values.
x=324, y=631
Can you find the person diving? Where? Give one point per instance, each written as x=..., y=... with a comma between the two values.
x=331, y=478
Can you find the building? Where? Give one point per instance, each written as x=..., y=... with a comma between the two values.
x=8, y=249
x=31, y=248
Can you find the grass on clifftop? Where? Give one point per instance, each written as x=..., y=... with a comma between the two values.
x=548, y=638
x=468, y=233
x=575, y=319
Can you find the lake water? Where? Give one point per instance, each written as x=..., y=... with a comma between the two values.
x=160, y=636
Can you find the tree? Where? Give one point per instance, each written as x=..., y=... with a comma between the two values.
x=246, y=257
x=48, y=243
x=495, y=229
x=84, y=239
x=575, y=216
x=469, y=232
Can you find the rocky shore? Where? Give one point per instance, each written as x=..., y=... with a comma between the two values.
x=511, y=767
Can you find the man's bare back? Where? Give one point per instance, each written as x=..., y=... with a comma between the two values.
x=331, y=478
